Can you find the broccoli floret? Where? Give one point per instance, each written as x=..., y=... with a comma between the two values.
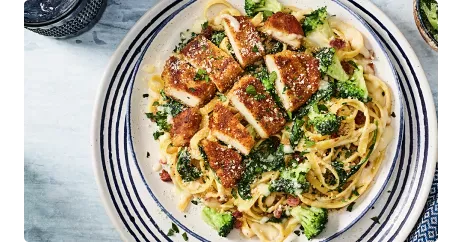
x=355, y=87
x=317, y=29
x=292, y=180
x=221, y=222
x=430, y=12
x=187, y=171
x=268, y=156
x=324, y=122
x=330, y=64
x=313, y=219
x=268, y=7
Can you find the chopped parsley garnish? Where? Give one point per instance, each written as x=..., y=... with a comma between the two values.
x=349, y=208
x=163, y=95
x=185, y=236
x=352, y=63
x=260, y=96
x=251, y=90
x=255, y=48
x=175, y=228
x=191, y=89
x=309, y=143
x=149, y=115
x=297, y=232
x=204, y=25
x=201, y=74
x=393, y=114
x=221, y=97
x=146, y=95
x=147, y=154
x=284, y=89
x=375, y=219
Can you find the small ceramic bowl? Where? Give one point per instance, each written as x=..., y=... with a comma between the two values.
x=420, y=23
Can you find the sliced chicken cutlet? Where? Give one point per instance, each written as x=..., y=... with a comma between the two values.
x=228, y=129
x=224, y=161
x=297, y=77
x=184, y=126
x=244, y=39
x=285, y=28
x=220, y=67
x=257, y=106
x=182, y=84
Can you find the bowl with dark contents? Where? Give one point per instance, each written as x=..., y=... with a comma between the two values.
x=425, y=13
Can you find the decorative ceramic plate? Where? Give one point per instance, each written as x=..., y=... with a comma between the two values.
x=143, y=208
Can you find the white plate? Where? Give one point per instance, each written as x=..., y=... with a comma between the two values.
x=138, y=202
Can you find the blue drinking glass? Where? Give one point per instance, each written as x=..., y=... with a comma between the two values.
x=62, y=18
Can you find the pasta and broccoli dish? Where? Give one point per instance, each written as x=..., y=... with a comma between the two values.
x=269, y=118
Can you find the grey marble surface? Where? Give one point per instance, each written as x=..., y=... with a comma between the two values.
x=61, y=199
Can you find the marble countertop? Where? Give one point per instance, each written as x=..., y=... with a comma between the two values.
x=61, y=198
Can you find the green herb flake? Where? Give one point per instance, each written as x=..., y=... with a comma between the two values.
x=297, y=232
x=393, y=114
x=375, y=219
x=146, y=95
x=250, y=89
x=163, y=95
x=309, y=143
x=149, y=115
x=185, y=236
x=147, y=154
x=191, y=89
x=155, y=103
x=352, y=63
x=205, y=25
x=221, y=97
x=349, y=208
x=175, y=228
x=355, y=192
x=260, y=97
x=255, y=48
x=171, y=232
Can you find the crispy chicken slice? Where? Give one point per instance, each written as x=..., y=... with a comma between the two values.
x=285, y=28
x=184, y=126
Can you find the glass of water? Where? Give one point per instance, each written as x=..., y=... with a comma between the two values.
x=62, y=18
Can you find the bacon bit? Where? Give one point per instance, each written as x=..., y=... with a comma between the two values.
x=162, y=161
x=298, y=157
x=335, y=135
x=293, y=201
x=348, y=68
x=165, y=176
x=360, y=118
x=207, y=32
x=237, y=214
x=338, y=44
x=372, y=66
x=277, y=212
x=238, y=224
